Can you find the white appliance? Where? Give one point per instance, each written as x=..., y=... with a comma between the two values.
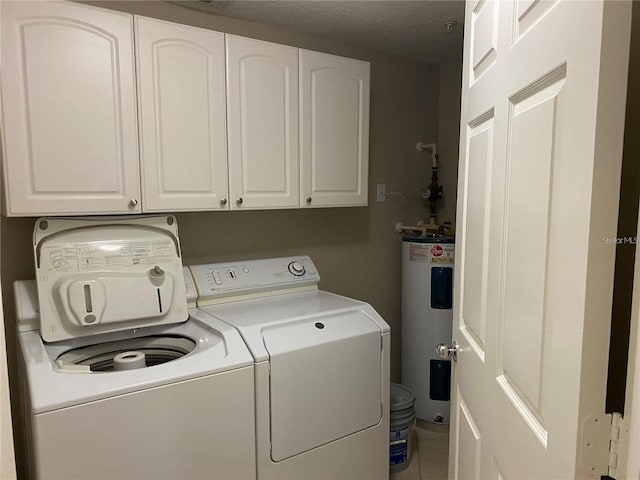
x=427, y=316
x=321, y=368
x=119, y=378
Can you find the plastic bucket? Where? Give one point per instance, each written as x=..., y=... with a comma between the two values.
x=401, y=422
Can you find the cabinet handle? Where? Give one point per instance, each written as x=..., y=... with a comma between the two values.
x=223, y=201
x=239, y=201
x=133, y=202
x=308, y=199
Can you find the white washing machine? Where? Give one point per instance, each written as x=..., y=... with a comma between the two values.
x=120, y=379
x=321, y=368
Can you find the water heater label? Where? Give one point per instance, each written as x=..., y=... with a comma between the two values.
x=442, y=254
x=431, y=253
x=419, y=252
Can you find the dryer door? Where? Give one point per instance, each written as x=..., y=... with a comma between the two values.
x=326, y=380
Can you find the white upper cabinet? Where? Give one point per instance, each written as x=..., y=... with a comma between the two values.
x=181, y=119
x=262, y=102
x=69, y=110
x=181, y=102
x=334, y=130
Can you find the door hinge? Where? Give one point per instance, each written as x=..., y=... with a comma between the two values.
x=614, y=441
x=603, y=440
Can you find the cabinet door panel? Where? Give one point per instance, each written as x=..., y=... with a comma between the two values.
x=335, y=130
x=70, y=128
x=182, y=116
x=262, y=91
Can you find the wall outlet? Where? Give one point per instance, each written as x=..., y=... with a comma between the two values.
x=381, y=189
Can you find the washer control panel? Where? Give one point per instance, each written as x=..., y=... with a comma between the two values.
x=216, y=282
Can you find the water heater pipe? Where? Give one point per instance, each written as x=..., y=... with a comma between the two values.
x=421, y=147
x=434, y=193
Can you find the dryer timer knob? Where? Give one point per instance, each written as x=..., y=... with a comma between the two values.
x=297, y=269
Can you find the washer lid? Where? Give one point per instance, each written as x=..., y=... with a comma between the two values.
x=108, y=274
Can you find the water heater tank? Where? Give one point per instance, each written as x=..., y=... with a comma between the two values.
x=427, y=316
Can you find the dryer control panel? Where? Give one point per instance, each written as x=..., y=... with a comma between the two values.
x=229, y=281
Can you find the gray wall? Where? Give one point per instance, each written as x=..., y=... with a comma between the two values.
x=356, y=250
x=449, y=136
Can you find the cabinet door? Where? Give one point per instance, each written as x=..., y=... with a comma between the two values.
x=182, y=116
x=262, y=98
x=334, y=130
x=69, y=111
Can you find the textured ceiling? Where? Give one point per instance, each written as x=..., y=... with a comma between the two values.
x=414, y=29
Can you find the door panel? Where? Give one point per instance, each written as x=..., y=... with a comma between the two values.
x=335, y=130
x=528, y=12
x=469, y=444
x=262, y=92
x=485, y=38
x=205, y=416
x=182, y=116
x=532, y=127
x=335, y=96
x=70, y=128
x=541, y=141
x=476, y=204
x=330, y=373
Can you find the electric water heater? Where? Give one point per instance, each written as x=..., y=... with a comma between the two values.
x=427, y=315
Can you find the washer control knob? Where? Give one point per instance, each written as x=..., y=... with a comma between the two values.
x=157, y=276
x=297, y=269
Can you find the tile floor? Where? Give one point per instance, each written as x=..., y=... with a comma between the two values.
x=430, y=455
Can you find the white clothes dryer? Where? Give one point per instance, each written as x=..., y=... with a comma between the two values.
x=119, y=378
x=321, y=368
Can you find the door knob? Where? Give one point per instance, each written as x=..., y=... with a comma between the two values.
x=445, y=351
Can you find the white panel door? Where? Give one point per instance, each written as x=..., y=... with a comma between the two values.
x=69, y=111
x=262, y=93
x=334, y=102
x=182, y=116
x=541, y=141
